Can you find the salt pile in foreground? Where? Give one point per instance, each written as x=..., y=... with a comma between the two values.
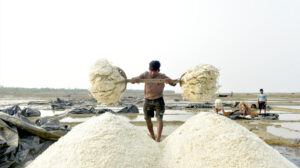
x=107, y=141
x=211, y=140
x=205, y=140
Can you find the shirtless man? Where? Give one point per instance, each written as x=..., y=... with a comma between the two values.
x=154, y=97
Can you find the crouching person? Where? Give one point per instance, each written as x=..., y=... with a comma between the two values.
x=219, y=106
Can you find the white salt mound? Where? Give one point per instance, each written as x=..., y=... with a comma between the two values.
x=106, y=141
x=107, y=84
x=211, y=140
x=204, y=141
x=200, y=83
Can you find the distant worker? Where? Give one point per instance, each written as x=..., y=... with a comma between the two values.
x=244, y=107
x=262, y=101
x=154, y=97
x=219, y=106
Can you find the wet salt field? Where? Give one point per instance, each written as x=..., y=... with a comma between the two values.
x=290, y=107
x=286, y=128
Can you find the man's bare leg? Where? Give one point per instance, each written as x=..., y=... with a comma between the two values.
x=160, y=125
x=150, y=128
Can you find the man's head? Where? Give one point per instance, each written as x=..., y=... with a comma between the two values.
x=261, y=91
x=154, y=68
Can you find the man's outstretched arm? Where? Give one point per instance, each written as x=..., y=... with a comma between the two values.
x=171, y=82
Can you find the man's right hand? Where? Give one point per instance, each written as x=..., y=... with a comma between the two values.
x=135, y=80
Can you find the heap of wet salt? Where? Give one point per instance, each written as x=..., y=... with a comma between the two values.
x=211, y=140
x=200, y=83
x=107, y=84
x=101, y=142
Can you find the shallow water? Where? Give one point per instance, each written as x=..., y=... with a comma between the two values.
x=288, y=106
x=289, y=116
x=167, y=118
x=282, y=132
x=280, y=112
x=74, y=120
x=5, y=101
x=293, y=126
x=47, y=113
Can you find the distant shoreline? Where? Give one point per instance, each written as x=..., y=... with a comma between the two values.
x=37, y=91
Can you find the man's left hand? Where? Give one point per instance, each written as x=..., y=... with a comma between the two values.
x=171, y=82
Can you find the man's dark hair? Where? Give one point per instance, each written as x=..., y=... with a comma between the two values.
x=261, y=89
x=154, y=65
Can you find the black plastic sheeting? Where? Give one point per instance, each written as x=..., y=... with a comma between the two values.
x=18, y=146
x=26, y=112
x=236, y=115
x=92, y=110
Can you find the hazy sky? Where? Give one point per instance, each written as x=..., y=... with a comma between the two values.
x=254, y=43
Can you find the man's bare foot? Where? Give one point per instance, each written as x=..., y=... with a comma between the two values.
x=157, y=140
x=153, y=137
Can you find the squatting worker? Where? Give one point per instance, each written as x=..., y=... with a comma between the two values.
x=262, y=101
x=244, y=107
x=154, y=97
x=219, y=106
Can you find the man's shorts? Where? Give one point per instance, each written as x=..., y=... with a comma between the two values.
x=157, y=105
x=261, y=105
